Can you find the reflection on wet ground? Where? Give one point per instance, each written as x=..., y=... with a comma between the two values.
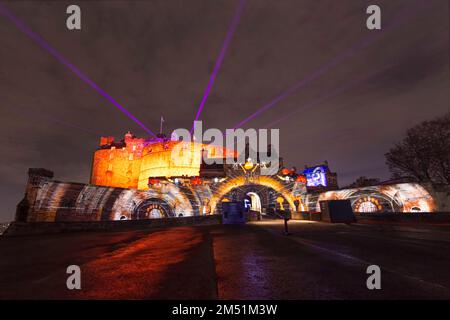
x=253, y=261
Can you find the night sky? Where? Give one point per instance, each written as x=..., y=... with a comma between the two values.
x=155, y=58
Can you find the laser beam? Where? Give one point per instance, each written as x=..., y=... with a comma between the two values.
x=47, y=47
x=375, y=35
x=39, y=114
x=228, y=37
x=331, y=94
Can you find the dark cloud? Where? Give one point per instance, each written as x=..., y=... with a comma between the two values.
x=155, y=58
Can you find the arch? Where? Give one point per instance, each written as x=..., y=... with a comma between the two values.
x=401, y=197
x=152, y=208
x=266, y=181
x=128, y=202
x=255, y=201
x=367, y=205
x=373, y=202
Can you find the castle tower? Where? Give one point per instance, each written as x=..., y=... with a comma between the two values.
x=36, y=178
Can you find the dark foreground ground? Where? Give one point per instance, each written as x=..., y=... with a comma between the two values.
x=254, y=261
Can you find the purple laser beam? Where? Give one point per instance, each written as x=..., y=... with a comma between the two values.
x=38, y=113
x=46, y=46
x=406, y=14
x=332, y=94
x=336, y=92
x=228, y=37
x=65, y=123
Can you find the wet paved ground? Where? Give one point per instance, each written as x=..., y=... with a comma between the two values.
x=253, y=261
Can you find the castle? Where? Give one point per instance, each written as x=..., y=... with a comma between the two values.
x=130, y=162
x=135, y=178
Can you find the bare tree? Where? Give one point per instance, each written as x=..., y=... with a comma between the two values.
x=424, y=154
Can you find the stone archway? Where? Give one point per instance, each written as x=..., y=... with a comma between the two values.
x=255, y=201
x=268, y=182
x=373, y=202
x=152, y=208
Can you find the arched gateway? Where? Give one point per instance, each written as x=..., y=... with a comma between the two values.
x=266, y=188
x=153, y=208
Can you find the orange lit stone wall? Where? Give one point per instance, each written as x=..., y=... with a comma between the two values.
x=175, y=159
x=115, y=168
x=118, y=165
x=170, y=159
x=135, y=160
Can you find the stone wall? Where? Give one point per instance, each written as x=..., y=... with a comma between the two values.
x=435, y=217
x=441, y=195
x=48, y=200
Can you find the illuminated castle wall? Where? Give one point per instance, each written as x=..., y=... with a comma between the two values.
x=130, y=162
x=403, y=197
x=118, y=164
x=139, y=179
x=47, y=201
